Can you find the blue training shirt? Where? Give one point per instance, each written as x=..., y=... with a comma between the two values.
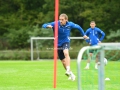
x=95, y=35
x=64, y=31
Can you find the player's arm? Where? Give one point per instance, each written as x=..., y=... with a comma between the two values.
x=76, y=26
x=87, y=34
x=48, y=25
x=102, y=34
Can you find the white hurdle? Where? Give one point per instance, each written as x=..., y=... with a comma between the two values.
x=102, y=47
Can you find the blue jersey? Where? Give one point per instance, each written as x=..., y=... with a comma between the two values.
x=64, y=31
x=95, y=35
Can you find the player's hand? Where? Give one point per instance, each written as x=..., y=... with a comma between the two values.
x=49, y=26
x=85, y=37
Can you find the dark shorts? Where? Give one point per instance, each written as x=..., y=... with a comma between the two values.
x=61, y=48
x=93, y=51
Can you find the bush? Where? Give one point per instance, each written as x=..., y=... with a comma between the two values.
x=25, y=54
x=18, y=38
x=15, y=55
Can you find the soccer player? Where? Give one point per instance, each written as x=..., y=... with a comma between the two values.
x=95, y=35
x=64, y=29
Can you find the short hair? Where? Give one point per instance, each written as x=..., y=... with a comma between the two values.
x=64, y=15
x=92, y=22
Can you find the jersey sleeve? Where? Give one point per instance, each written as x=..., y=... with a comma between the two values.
x=46, y=24
x=87, y=34
x=76, y=26
x=102, y=34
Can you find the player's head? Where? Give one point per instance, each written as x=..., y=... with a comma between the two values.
x=92, y=24
x=63, y=18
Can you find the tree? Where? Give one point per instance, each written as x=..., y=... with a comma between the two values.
x=18, y=15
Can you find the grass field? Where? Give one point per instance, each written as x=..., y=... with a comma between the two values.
x=38, y=75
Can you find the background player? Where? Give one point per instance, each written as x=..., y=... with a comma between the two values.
x=95, y=35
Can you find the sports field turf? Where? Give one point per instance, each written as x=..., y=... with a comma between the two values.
x=38, y=75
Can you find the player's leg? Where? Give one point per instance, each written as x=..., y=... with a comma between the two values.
x=65, y=47
x=67, y=58
x=89, y=58
x=70, y=74
x=63, y=60
x=88, y=61
x=61, y=56
x=97, y=57
x=67, y=61
x=96, y=63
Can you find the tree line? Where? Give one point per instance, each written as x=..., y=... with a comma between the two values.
x=21, y=19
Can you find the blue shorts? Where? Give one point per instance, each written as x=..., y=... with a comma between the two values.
x=64, y=46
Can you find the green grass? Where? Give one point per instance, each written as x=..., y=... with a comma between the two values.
x=38, y=75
